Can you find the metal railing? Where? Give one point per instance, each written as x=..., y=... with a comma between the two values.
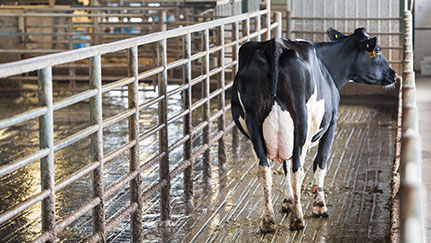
x=44, y=64
x=314, y=29
x=61, y=29
x=411, y=194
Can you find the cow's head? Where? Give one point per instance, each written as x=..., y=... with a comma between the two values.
x=368, y=65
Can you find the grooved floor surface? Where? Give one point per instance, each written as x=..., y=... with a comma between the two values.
x=357, y=188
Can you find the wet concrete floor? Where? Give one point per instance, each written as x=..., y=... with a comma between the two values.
x=357, y=189
x=228, y=207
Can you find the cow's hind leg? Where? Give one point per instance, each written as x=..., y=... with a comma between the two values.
x=287, y=204
x=267, y=223
x=319, y=205
x=297, y=174
x=297, y=218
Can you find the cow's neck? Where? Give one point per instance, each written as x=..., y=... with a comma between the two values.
x=336, y=57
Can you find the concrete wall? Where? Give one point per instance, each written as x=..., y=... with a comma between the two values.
x=422, y=35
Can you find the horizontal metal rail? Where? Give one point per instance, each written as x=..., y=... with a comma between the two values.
x=28, y=65
x=95, y=166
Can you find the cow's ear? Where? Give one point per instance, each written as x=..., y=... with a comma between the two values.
x=370, y=44
x=334, y=34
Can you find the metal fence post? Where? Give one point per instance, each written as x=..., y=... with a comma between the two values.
x=165, y=191
x=46, y=136
x=288, y=24
x=188, y=146
x=268, y=19
x=247, y=26
x=135, y=184
x=221, y=98
x=279, y=20
x=206, y=106
x=97, y=145
x=258, y=26
x=235, y=48
x=162, y=21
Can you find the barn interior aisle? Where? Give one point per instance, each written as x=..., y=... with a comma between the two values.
x=357, y=187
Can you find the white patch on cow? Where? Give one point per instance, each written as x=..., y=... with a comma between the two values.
x=319, y=176
x=319, y=205
x=278, y=134
x=265, y=178
x=240, y=119
x=240, y=102
x=243, y=125
x=316, y=110
x=299, y=39
x=297, y=179
x=288, y=192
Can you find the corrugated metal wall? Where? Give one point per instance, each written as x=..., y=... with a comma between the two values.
x=311, y=19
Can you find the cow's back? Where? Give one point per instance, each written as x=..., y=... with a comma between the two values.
x=296, y=93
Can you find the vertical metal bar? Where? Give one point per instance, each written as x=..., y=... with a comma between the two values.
x=162, y=20
x=206, y=106
x=303, y=20
x=258, y=26
x=288, y=24
x=72, y=77
x=188, y=146
x=95, y=28
x=313, y=26
x=247, y=26
x=165, y=196
x=221, y=100
x=97, y=145
x=279, y=20
x=46, y=137
x=135, y=184
x=390, y=30
x=325, y=14
x=235, y=49
x=268, y=19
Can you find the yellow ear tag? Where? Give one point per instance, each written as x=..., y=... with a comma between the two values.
x=371, y=54
x=336, y=36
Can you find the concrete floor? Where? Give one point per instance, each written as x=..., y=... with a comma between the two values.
x=357, y=189
x=423, y=86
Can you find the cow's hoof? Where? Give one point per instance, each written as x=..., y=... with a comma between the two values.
x=267, y=226
x=320, y=210
x=297, y=224
x=286, y=206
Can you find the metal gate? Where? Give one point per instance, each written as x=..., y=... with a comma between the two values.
x=252, y=25
x=311, y=18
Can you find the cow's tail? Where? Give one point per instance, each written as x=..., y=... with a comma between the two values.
x=276, y=53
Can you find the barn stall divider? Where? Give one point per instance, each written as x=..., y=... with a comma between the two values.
x=47, y=105
x=408, y=189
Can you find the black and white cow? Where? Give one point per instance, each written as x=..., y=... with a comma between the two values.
x=285, y=99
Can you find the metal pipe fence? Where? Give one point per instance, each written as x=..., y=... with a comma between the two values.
x=411, y=190
x=43, y=64
x=60, y=29
x=314, y=29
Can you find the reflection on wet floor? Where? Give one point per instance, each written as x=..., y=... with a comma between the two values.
x=227, y=208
